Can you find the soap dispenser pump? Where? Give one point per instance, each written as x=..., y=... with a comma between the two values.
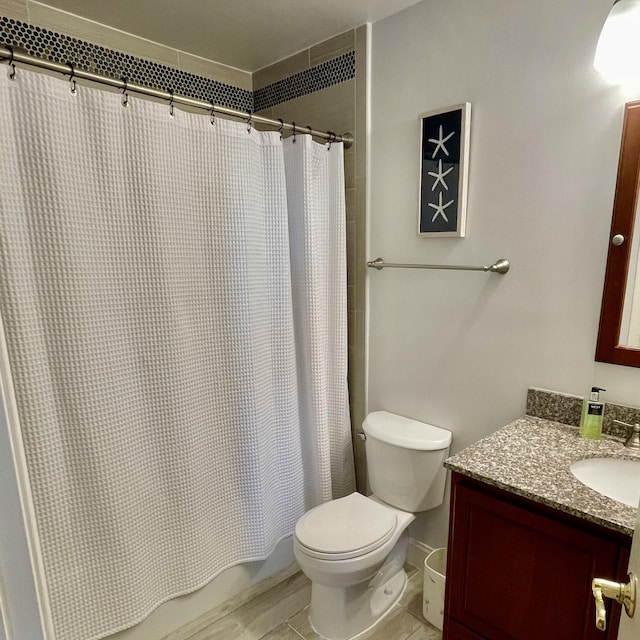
x=592, y=415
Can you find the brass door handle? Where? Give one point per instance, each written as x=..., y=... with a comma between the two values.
x=624, y=593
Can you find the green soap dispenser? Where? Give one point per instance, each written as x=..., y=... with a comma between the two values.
x=592, y=415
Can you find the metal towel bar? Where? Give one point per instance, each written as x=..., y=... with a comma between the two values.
x=500, y=266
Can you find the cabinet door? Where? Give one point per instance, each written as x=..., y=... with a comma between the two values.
x=455, y=631
x=517, y=574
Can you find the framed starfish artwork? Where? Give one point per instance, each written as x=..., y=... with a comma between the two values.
x=444, y=169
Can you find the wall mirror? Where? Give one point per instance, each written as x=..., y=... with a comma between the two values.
x=619, y=333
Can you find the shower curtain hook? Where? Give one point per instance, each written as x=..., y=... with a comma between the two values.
x=249, y=123
x=330, y=140
x=293, y=124
x=125, y=95
x=171, y=103
x=281, y=121
x=213, y=114
x=310, y=130
x=72, y=79
x=12, y=73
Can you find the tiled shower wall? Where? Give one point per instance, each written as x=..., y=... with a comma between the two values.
x=64, y=37
x=323, y=86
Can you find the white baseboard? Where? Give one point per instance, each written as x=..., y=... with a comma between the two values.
x=417, y=552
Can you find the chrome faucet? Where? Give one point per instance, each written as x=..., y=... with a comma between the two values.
x=633, y=441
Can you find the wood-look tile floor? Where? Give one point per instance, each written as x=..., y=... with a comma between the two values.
x=282, y=613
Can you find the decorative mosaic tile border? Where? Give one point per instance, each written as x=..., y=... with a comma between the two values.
x=58, y=47
x=64, y=49
x=304, y=82
x=566, y=408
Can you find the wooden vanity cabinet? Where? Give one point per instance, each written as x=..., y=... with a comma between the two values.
x=517, y=570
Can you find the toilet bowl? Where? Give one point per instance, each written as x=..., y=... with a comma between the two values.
x=353, y=549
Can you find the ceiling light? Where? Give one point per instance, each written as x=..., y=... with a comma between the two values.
x=618, y=53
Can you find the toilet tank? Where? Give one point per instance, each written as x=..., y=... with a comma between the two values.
x=404, y=460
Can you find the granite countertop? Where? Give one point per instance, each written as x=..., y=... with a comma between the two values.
x=531, y=457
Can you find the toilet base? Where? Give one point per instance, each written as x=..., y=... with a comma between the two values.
x=343, y=613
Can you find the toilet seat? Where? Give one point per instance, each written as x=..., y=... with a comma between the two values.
x=345, y=528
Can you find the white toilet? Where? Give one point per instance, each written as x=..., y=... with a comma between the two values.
x=353, y=549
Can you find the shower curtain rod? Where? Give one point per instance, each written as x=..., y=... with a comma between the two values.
x=10, y=56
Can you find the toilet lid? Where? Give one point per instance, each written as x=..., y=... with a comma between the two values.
x=345, y=528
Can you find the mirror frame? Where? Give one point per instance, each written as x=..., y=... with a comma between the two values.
x=608, y=348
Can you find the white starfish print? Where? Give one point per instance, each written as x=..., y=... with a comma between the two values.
x=440, y=208
x=439, y=142
x=440, y=176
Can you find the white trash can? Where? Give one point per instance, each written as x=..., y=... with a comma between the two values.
x=435, y=571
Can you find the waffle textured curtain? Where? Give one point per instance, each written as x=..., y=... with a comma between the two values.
x=173, y=300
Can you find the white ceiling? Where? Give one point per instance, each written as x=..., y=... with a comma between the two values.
x=246, y=34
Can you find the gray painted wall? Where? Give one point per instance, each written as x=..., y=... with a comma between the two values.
x=456, y=349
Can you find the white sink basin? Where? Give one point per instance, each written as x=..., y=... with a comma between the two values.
x=617, y=479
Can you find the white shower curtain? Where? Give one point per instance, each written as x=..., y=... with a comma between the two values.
x=174, y=306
